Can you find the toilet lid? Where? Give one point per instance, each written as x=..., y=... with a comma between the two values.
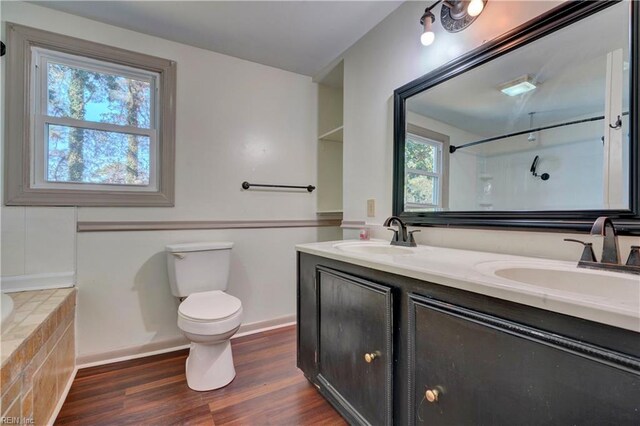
x=209, y=305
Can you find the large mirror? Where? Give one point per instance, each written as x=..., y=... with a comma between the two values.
x=535, y=125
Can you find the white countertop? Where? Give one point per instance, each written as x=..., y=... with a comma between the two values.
x=611, y=298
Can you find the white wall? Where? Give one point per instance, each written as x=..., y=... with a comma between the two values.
x=28, y=236
x=124, y=298
x=390, y=56
x=236, y=121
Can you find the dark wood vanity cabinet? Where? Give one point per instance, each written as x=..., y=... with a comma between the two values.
x=479, y=369
x=449, y=357
x=354, y=345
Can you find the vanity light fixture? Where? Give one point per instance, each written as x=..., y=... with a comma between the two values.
x=475, y=7
x=426, y=21
x=455, y=16
x=518, y=86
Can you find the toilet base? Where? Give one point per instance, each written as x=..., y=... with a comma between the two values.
x=210, y=366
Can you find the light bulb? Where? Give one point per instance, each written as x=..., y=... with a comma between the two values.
x=475, y=7
x=428, y=35
x=427, y=38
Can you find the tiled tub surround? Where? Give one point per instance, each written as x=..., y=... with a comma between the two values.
x=38, y=354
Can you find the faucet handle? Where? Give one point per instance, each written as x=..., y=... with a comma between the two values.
x=587, y=254
x=634, y=256
x=411, y=239
x=395, y=234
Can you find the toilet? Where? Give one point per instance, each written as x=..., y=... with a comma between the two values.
x=208, y=317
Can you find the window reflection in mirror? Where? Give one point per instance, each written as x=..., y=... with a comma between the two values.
x=426, y=170
x=535, y=129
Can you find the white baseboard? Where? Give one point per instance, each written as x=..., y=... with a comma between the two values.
x=63, y=397
x=37, y=282
x=260, y=326
x=174, y=344
x=132, y=352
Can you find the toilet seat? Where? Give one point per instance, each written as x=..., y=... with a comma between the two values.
x=208, y=306
x=210, y=313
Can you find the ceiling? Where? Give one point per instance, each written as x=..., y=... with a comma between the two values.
x=570, y=66
x=298, y=36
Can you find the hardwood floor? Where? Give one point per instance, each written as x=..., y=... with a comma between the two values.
x=268, y=390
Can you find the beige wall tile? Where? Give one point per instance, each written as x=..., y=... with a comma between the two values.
x=8, y=347
x=29, y=306
x=41, y=314
x=49, y=329
x=27, y=404
x=41, y=295
x=35, y=319
x=13, y=410
x=22, y=297
x=64, y=322
x=17, y=318
x=32, y=367
x=19, y=333
x=44, y=391
x=44, y=359
x=10, y=394
x=50, y=345
x=66, y=357
x=12, y=367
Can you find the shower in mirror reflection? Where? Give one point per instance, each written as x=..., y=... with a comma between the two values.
x=532, y=136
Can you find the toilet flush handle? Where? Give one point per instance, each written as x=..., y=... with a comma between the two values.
x=179, y=255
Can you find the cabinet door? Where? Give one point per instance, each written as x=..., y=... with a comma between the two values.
x=355, y=346
x=487, y=371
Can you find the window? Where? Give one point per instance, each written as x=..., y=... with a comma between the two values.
x=94, y=123
x=426, y=186
x=100, y=123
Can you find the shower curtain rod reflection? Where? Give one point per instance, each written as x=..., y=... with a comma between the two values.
x=616, y=125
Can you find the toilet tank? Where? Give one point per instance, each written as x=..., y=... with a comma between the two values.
x=198, y=267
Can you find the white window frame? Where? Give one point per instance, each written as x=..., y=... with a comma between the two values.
x=438, y=174
x=28, y=52
x=41, y=120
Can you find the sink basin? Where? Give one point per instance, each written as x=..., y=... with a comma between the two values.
x=624, y=288
x=373, y=248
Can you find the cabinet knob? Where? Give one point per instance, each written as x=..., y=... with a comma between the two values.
x=431, y=395
x=370, y=357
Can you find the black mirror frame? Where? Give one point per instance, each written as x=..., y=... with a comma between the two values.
x=627, y=221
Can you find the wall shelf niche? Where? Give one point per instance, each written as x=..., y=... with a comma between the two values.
x=330, y=137
x=334, y=135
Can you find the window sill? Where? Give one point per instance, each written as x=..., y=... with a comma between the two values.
x=79, y=198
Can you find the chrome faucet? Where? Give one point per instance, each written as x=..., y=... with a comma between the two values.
x=400, y=236
x=610, y=258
